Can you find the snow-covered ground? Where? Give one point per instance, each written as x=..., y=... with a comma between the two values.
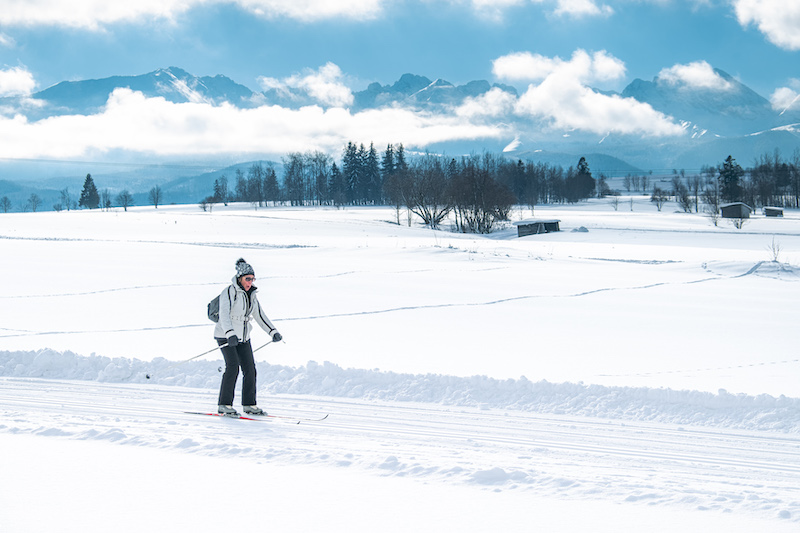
x=640, y=374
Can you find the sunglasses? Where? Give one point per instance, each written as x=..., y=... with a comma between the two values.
x=249, y=279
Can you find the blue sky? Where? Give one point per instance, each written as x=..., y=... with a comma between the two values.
x=347, y=44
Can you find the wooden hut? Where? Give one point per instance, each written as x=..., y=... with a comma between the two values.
x=535, y=227
x=773, y=211
x=736, y=210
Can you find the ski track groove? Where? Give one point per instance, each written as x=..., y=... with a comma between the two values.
x=500, y=301
x=561, y=455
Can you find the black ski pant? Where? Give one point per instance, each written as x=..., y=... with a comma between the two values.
x=237, y=356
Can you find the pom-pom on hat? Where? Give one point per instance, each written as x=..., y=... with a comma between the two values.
x=243, y=269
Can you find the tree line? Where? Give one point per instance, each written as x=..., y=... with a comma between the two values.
x=478, y=189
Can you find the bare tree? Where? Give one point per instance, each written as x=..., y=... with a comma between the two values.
x=684, y=200
x=775, y=250
x=694, y=183
x=66, y=199
x=207, y=203
x=34, y=202
x=659, y=197
x=105, y=199
x=124, y=199
x=738, y=222
x=5, y=204
x=155, y=196
x=428, y=195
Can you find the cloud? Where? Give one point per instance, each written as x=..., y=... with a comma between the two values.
x=312, y=10
x=562, y=98
x=582, y=8
x=779, y=20
x=786, y=98
x=325, y=86
x=7, y=41
x=525, y=66
x=97, y=14
x=156, y=127
x=696, y=75
x=493, y=103
x=16, y=81
x=495, y=10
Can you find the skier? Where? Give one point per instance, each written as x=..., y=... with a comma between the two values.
x=236, y=305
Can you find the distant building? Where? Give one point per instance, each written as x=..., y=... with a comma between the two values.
x=534, y=227
x=773, y=211
x=736, y=210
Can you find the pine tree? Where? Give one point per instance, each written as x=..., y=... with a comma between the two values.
x=730, y=175
x=90, y=198
x=337, y=186
x=387, y=163
x=372, y=171
x=351, y=170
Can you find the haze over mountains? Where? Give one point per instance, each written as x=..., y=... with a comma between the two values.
x=726, y=119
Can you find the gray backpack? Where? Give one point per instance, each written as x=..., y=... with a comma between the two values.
x=213, y=308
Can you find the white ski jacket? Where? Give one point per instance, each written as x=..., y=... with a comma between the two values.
x=236, y=309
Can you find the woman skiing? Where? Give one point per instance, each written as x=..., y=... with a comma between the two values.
x=238, y=305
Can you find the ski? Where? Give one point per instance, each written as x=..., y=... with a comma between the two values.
x=260, y=418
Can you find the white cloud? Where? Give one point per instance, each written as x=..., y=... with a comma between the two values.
x=16, y=81
x=493, y=103
x=786, y=98
x=563, y=99
x=92, y=14
x=311, y=10
x=779, y=20
x=524, y=66
x=324, y=85
x=7, y=41
x=96, y=14
x=696, y=75
x=496, y=10
x=582, y=8
x=134, y=123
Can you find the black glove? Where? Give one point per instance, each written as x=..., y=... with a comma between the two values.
x=276, y=337
x=233, y=340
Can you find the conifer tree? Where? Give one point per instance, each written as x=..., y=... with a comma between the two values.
x=90, y=198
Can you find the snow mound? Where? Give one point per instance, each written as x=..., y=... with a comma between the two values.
x=697, y=408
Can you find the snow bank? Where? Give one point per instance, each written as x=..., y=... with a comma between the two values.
x=696, y=408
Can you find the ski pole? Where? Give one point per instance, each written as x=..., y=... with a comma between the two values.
x=219, y=369
x=263, y=345
x=195, y=357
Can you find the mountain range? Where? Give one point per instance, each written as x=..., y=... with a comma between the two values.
x=736, y=121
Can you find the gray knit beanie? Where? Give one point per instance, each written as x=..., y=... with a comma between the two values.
x=243, y=269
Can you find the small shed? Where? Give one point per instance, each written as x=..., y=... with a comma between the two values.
x=736, y=210
x=773, y=211
x=535, y=227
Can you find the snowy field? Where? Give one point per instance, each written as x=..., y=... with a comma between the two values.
x=637, y=371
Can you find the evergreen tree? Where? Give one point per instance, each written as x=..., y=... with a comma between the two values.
x=272, y=189
x=221, y=189
x=372, y=176
x=387, y=163
x=337, y=186
x=351, y=170
x=579, y=184
x=400, y=160
x=730, y=175
x=90, y=198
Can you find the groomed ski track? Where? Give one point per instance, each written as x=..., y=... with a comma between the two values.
x=568, y=457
